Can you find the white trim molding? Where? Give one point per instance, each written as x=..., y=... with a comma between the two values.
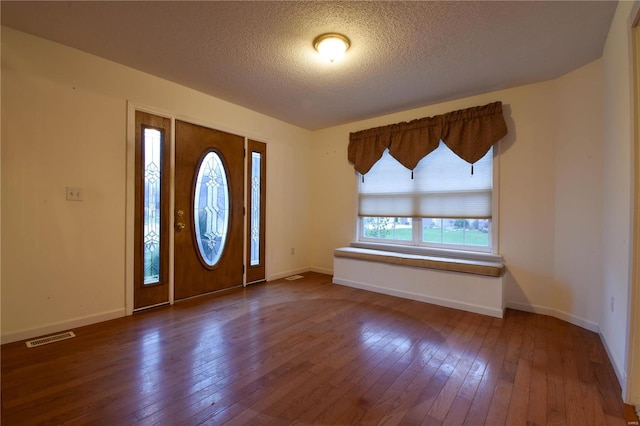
x=62, y=326
x=564, y=316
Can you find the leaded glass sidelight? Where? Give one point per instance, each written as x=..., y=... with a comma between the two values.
x=151, y=214
x=256, y=159
x=211, y=208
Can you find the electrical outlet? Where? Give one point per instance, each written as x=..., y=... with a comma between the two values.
x=612, y=303
x=74, y=194
x=293, y=251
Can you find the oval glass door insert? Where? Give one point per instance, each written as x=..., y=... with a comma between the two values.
x=211, y=208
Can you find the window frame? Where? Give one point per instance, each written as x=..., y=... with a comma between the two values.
x=417, y=246
x=156, y=293
x=255, y=273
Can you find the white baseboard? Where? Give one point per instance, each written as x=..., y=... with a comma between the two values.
x=287, y=273
x=484, y=310
x=61, y=326
x=299, y=272
x=319, y=270
x=543, y=310
x=621, y=374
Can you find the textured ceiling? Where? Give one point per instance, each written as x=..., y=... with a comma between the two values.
x=259, y=54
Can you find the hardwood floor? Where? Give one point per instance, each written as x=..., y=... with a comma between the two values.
x=310, y=352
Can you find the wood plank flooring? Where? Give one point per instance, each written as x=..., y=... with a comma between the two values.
x=310, y=352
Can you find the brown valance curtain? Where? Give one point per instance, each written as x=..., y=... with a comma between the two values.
x=468, y=132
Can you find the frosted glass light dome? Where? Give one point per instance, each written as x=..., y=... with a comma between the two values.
x=331, y=46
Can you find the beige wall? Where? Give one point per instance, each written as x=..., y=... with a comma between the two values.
x=617, y=186
x=633, y=369
x=578, y=202
x=64, y=123
x=60, y=259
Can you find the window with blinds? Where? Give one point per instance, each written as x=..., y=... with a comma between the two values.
x=443, y=202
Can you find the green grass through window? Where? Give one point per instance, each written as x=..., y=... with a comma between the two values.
x=455, y=236
x=437, y=235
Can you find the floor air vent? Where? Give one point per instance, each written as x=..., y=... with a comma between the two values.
x=294, y=277
x=50, y=339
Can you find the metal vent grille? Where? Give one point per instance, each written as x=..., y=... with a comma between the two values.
x=50, y=339
x=294, y=277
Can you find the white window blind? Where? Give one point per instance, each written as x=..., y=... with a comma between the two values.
x=442, y=186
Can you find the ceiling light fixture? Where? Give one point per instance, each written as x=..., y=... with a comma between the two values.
x=331, y=46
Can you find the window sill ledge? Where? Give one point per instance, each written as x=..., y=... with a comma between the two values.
x=469, y=266
x=431, y=252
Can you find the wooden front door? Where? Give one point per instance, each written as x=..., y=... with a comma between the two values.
x=208, y=216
